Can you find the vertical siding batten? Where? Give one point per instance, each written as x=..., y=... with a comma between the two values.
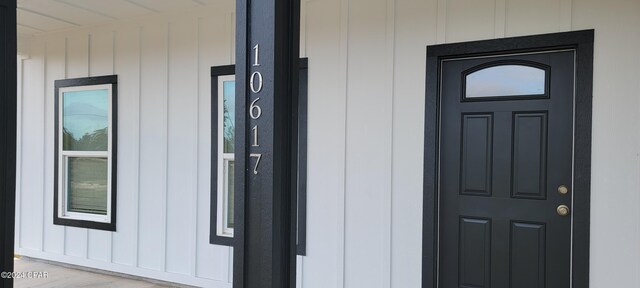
x=387, y=198
x=44, y=142
x=165, y=202
x=137, y=263
x=342, y=194
x=194, y=215
x=565, y=15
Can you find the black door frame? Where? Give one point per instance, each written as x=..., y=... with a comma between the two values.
x=582, y=43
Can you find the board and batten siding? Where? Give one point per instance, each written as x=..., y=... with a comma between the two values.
x=163, y=67
x=366, y=113
x=365, y=136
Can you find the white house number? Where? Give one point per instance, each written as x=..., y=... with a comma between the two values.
x=255, y=84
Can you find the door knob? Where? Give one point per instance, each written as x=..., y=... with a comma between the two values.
x=562, y=189
x=562, y=210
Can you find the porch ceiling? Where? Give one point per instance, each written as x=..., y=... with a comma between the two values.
x=42, y=16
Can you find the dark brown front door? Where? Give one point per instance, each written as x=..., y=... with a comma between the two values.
x=506, y=149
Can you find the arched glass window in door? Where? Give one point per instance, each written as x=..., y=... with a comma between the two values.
x=498, y=80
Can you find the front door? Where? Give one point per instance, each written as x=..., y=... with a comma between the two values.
x=506, y=148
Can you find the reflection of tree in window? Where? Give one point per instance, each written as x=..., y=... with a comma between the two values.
x=229, y=101
x=229, y=127
x=228, y=121
x=94, y=141
x=85, y=120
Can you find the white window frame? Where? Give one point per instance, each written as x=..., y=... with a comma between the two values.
x=222, y=228
x=63, y=158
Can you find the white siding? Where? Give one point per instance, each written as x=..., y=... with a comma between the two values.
x=365, y=162
x=615, y=218
x=127, y=67
x=163, y=67
x=352, y=46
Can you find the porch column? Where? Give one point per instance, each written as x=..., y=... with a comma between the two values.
x=8, y=114
x=267, y=43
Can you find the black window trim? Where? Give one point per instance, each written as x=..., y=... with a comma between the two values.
x=88, y=81
x=214, y=238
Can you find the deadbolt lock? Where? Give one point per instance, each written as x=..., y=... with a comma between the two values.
x=563, y=210
x=563, y=189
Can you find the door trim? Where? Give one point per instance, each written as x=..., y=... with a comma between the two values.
x=582, y=43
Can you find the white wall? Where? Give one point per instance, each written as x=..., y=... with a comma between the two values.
x=163, y=67
x=366, y=111
x=366, y=101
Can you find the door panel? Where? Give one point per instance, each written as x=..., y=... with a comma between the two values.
x=529, y=155
x=477, y=151
x=502, y=160
x=528, y=252
x=475, y=252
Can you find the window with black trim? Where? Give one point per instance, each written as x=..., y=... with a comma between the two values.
x=222, y=155
x=85, y=152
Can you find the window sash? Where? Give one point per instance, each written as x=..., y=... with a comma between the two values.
x=64, y=155
x=224, y=159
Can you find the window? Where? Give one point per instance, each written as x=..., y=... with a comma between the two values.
x=505, y=80
x=85, y=152
x=222, y=147
x=226, y=125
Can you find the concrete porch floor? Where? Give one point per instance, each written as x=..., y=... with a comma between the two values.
x=61, y=276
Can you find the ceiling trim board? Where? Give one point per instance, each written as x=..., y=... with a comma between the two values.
x=86, y=9
x=141, y=6
x=48, y=16
x=30, y=27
